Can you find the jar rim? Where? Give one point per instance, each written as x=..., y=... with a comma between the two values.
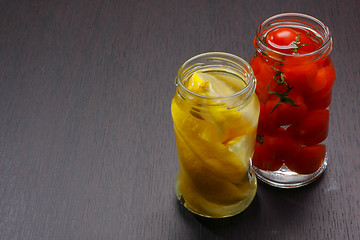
x=302, y=20
x=185, y=68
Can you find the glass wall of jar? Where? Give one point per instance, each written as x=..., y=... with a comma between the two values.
x=295, y=76
x=215, y=114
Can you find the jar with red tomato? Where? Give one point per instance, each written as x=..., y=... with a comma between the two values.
x=295, y=76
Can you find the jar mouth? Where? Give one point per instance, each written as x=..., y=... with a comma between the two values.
x=217, y=61
x=299, y=20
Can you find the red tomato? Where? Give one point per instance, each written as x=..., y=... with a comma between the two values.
x=281, y=39
x=308, y=159
x=324, y=62
x=313, y=129
x=264, y=158
x=285, y=147
x=264, y=74
x=307, y=42
x=299, y=76
x=315, y=101
x=285, y=113
x=273, y=149
x=318, y=93
x=292, y=40
x=266, y=124
x=323, y=81
x=275, y=87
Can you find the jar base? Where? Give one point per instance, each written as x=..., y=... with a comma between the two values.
x=219, y=211
x=285, y=178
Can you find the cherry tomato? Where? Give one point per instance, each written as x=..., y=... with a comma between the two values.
x=324, y=62
x=264, y=158
x=307, y=42
x=313, y=129
x=323, y=81
x=320, y=101
x=266, y=123
x=277, y=87
x=285, y=113
x=273, y=149
x=281, y=39
x=300, y=76
x=308, y=159
x=292, y=40
x=285, y=146
x=318, y=94
x=265, y=154
x=264, y=72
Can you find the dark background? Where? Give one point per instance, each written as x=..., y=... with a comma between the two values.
x=87, y=149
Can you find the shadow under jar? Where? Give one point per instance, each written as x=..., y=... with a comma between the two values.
x=295, y=76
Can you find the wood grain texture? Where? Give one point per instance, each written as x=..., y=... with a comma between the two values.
x=87, y=149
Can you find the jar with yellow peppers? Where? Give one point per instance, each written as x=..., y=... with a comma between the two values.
x=215, y=114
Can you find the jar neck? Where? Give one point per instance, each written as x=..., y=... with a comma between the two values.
x=213, y=62
x=295, y=20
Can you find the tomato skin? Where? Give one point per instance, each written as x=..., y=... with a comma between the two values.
x=324, y=62
x=266, y=123
x=313, y=129
x=323, y=80
x=309, y=43
x=286, y=114
x=285, y=146
x=264, y=158
x=291, y=41
x=318, y=94
x=300, y=76
x=308, y=159
x=263, y=71
x=274, y=149
x=316, y=101
x=281, y=39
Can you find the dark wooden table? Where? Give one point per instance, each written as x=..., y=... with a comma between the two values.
x=87, y=149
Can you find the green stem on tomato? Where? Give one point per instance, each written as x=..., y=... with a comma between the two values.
x=283, y=98
x=279, y=77
x=260, y=139
x=297, y=44
x=314, y=37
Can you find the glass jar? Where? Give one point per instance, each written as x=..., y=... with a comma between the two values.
x=295, y=76
x=215, y=114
